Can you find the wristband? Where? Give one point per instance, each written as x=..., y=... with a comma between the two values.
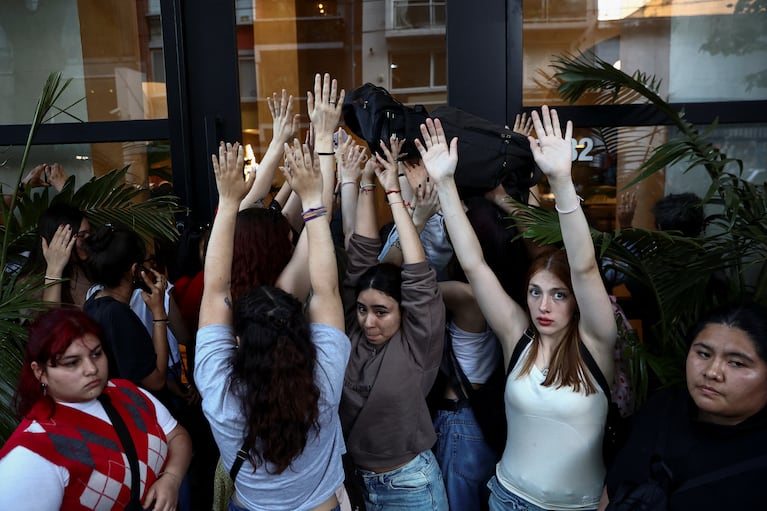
x=393, y=191
x=311, y=214
x=396, y=202
x=574, y=208
x=349, y=183
x=367, y=186
x=166, y=320
x=55, y=279
x=326, y=154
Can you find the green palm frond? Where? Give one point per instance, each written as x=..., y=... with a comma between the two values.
x=586, y=72
x=109, y=199
x=19, y=300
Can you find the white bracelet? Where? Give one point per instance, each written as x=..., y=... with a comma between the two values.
x=577, y=205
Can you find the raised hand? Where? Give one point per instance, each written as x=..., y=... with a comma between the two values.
x=523, y=124
x=351, y=157
x=324, y=107
x=627, y=204
x=426, y=202
x=387, y=168
x=58, y=252
x=439, y=158
x=284, y=123
x=157, y=283
x=36, y=177
x=302, y=174
x=552, y=151
x=229, y=170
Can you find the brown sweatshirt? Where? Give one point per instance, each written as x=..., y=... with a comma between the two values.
x=383, y=407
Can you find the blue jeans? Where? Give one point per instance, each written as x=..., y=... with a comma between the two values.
x=416, y=486
x=234, y=507
x=502, y=499
x=467, y=462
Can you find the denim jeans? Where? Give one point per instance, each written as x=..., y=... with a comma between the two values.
x=467, y=462
x=416, y=486
x=234, y=507
x=502, y=499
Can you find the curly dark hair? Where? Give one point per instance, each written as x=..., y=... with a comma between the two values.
x=273, y=375
x=262, y=249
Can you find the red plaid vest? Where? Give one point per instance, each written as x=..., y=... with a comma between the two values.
x=89, y=448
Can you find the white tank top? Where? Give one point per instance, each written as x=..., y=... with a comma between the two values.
x=553, y=455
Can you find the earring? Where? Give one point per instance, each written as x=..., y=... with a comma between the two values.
x=45, y=389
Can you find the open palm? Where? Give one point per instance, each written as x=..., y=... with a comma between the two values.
x=438, y=157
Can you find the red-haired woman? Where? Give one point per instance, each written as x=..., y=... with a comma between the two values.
x=70, y=450
x=556, y=412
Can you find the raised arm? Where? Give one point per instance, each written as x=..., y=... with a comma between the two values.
x=386, y=170
x=552, y=152
x=216, y=305
x=324, y=106
x=57, y=254
x=504, y=315
x=365, y=223
x=351, y=158
x=284, y=125
x=325, y=111
x=325, y=302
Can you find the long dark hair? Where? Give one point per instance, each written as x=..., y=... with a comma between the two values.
x=262, y=249
x=49, y=337
x=273, y=375
x=567, y=368
x=49, y=222
x=112, y=251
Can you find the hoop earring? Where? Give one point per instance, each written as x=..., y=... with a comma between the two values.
x=45, y=389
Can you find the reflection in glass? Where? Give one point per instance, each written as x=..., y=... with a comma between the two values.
x=110, y=49
x=150, y=165
x=689, y=46
x=281, y=45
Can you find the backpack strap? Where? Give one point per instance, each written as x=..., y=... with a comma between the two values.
x=458, y=379
x=242, y=455
x=121, y=428
x=526, y=339
x=595, y=371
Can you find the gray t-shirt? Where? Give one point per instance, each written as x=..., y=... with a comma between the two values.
x=318, y=471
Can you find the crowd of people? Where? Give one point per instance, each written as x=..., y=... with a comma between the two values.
x=363, y=368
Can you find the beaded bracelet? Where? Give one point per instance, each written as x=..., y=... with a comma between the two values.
x=574, y=208
x=311, y=214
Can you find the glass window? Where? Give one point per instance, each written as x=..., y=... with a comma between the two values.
x=102, y=45
x=689, y=46
x=149, y=162
x=418, y=14
x=281, y=45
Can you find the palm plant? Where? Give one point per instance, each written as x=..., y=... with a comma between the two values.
x=103, y=199
x=678, y=272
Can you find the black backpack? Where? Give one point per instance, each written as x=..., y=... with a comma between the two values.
x=488, y=155
x=373, y=114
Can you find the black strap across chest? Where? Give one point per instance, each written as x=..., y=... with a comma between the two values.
x=130, y=450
